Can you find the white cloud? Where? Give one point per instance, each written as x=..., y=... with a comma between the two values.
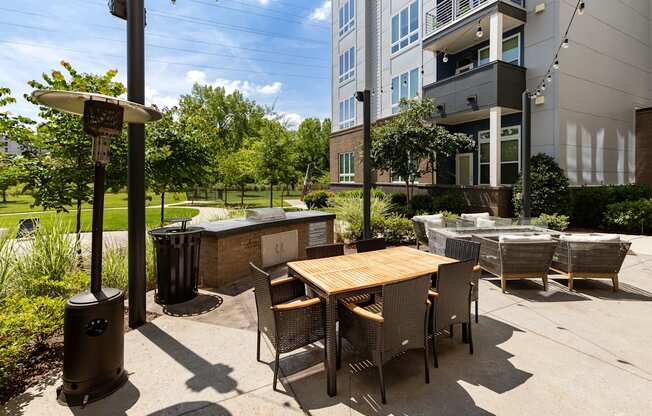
x=194, y=76
x=263, y=2
x=291, y=120
x=246, y=87
x=269, y=89
x=152, y=96
x=322, y=13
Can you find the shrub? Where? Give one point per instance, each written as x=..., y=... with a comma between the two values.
x=398, y=230
x=589, y=203
x=318, y=199
x=451, y=201
x=548, y=187
x=7, y=260
x=357, y=193
x=349, y=210
x=420, y=204
x=46, y=286
x=25, y=321
x=629, y=216
x=115, y=267
x=552, y=221
x=398, y=201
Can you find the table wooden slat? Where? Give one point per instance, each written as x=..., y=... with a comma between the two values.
x=363, y=270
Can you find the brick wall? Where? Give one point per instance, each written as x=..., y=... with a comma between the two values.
x=225, y=259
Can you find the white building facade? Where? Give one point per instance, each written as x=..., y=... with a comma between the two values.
x=475, y=58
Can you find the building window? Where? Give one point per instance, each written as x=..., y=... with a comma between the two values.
x=347, y=113
x=510, y=142
x=405, y=85
x=405, y=27
x=347, y=17
x=347, y=65
x=347, y=167
x=511, y=51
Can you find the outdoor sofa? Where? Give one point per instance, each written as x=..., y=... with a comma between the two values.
x=590, y=256
x=517, y=256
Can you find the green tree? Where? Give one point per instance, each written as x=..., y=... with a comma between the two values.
x=405, y=142
x=10, y=173
x=274, y=153
x=60, y=172
x=224, y=120
x=175, y=161
x=239, y=169
x=16, y=129
x=312, y=146
x=549, y=192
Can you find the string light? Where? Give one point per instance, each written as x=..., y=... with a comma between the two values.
x=556, y=64
x=581, y=7
x=565, y=44
x=549, y=77
x=479, y=33
x=445, y=58
x=543, y=86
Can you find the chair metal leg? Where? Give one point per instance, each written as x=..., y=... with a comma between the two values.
x=465, y=329
x=338, y=363
x=276, y=365
x=476, y=311
x=470, y=337
x=570, y=281
x=450, y=331
x=503, y=284
x=545, y=283
x=258, y=347
x=425, y=361
x=382, y=383
x=614, y=281
x=434, y=348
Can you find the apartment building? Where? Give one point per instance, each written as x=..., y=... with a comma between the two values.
x=8, y=146
x=476, y=58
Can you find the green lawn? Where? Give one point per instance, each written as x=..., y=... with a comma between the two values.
x=114, y=219
x=21, y=203
x=252, y=199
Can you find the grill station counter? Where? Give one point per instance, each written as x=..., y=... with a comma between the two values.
x=266, y=237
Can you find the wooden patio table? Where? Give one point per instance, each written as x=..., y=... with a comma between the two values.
x=335, y=278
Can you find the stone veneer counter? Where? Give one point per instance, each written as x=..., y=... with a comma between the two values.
x=228, y=246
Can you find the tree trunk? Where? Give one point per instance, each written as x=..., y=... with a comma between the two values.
x=162, y=207
x=4, y=195
x=242, y=192
x=271, y=195
x=283, y=189
x=226, y=195
x=408, y=198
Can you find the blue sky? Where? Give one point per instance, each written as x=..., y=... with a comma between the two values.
x=276, y=52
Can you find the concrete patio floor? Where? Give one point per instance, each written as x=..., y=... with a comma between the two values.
x=536, y=352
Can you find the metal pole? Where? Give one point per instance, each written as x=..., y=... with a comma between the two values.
x=526, y=149
x=96, y=245
x=366, y=164
x=136, y=164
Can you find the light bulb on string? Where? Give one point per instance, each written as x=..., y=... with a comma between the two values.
x=444, y=59
x=556, y=64
x=565, y=44
x=581, y=7
x=479, y=33
x=549, y=78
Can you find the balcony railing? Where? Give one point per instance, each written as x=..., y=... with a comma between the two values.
x=449, y=11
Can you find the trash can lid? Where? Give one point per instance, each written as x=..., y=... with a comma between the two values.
x=168, y=231
x=86, y=298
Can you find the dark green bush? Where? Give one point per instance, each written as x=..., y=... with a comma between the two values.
x=398, y=198
x=629, y=216
x=25, y=321
x=452, y=201
x=589, y=203
x=318, y=199
x=548, y=187
x=357, y=193
x=421, y=204
x=398, y=230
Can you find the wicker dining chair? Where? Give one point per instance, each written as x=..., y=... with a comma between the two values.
x=371, y=244
x=451, y=303
x=459, y=249
x=288, y=318
x=325, y=250
x=381, y=331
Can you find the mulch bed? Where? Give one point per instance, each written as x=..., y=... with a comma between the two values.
x=43, y=363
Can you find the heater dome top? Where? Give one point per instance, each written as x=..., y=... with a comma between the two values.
x=73, y=102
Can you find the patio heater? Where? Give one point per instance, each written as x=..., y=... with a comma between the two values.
x=94, y=321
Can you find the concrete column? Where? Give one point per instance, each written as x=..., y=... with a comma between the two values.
x=495, y=37
x=495, y=128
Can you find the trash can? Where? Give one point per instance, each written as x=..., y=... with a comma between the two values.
x=177, y=263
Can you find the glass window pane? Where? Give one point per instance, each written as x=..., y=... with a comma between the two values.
x=414, y=16
x=414, y=83
x=352, y=164
x=484, y=174
x=346, y=61
x=394, y=29
x=341, y=157
x=509, y=151
x=352, y=8
x=511, y=50
x=341, y=111
x=352, y=108
x=404, y=22
x=395, y=90
x=414, y=37
x=346, y=14
x=352, y=58
x=404, y=85
x=341, y=17
x=484, y=152
x=508, y=173
x=483, y=55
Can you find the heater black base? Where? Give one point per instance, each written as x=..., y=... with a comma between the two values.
x=93, y=350
x=72, y=399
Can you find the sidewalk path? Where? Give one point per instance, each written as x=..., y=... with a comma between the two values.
x=296, y=203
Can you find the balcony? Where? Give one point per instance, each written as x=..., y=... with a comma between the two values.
x=443, y=23
x=468, y=96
